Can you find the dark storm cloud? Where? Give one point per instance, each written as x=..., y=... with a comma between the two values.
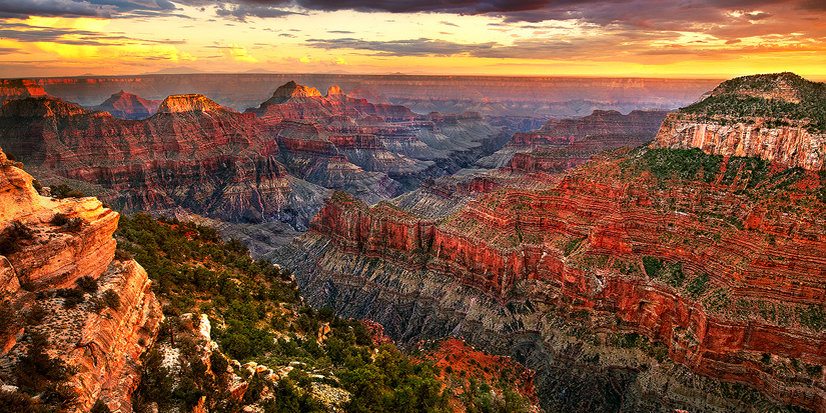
x=83, y=8
x=26, y=33
x=243, y=11
x=26, y=8
x=412, y=47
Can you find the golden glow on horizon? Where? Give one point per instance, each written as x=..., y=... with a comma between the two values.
x=419, y=43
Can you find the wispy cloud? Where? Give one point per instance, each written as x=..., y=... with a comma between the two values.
x=412, y=47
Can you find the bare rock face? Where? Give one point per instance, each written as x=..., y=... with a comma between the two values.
x=192, y=153
x=776, y=117
x=101, y=346
x=294, y=101
x=129, y=106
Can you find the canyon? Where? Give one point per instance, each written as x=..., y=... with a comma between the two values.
x=685, y=273
x=671, y=276
x=274, y=163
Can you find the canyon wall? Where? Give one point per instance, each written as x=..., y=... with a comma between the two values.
x=719, y=266
x=777, y=117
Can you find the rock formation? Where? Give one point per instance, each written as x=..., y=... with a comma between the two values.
x=671, y=278
x=294, y=101
x=128, y=106
x=494, y=96
x=777, y=117
x=48, y=245
x=197, y=155
x=191, y=154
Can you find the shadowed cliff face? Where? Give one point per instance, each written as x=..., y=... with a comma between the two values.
x=717, y=261
x=668, y=278
x=99, y=346
x=191, y=154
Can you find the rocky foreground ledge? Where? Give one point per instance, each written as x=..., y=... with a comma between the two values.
x=59, y=281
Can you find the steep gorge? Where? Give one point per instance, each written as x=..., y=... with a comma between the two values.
x=669, y=278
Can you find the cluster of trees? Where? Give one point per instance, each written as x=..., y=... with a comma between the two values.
x=257, y=315
x=811, y=108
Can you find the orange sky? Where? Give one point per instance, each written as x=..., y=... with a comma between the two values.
x=687, y=38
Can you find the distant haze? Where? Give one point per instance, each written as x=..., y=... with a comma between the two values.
x=542, y=97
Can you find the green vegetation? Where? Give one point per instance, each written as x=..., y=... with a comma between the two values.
x=698, y=285
x=257, y=314
x=738, y=100
x=572, y=245
x=478, y=398
x=69, y=224
x=813, y=316
x=671, y=273
x=14, y=237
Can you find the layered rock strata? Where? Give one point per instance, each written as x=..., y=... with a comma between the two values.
x=192, y=153
x=715, y=264
x=100, y=346
x=195, y=154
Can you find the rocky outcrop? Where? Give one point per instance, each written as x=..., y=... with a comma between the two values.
x=776, y=117
x=761, y=137
x=294, y=101
x=100, y=345
x=128, y=106
x=690, y=251
x=460, y=362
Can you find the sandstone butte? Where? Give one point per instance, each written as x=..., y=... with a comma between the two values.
x=128, y=106
x=101, y=348
x=664, y=275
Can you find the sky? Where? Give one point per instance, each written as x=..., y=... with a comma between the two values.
x=617, y=38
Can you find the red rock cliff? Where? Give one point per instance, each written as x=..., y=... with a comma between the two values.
x=721, y=264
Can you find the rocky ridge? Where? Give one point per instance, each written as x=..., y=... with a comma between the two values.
x=197, y=155
x=20, y=89
x=99, y=345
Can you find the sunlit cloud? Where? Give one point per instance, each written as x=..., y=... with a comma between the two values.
x=239, y=54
